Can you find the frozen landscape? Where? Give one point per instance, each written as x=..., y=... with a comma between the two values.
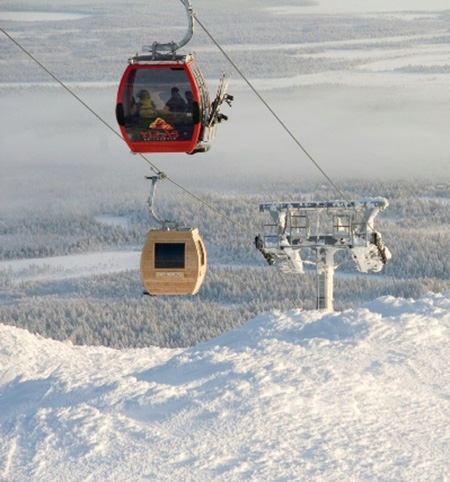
x=245, y=381
x=358, y=395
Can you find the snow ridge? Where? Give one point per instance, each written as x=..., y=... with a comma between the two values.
x=358, y=395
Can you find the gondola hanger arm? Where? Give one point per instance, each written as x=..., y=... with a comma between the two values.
x=172, y=47
x=165, y=224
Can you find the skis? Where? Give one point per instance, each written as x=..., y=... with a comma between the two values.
x=215, y=115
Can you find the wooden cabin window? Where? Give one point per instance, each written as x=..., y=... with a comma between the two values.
x=170, y=255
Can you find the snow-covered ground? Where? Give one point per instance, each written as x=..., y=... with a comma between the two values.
x=65, y=267
x=361, y=395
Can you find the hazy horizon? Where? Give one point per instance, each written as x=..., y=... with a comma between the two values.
x=369, y=105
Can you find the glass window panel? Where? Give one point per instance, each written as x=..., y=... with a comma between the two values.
x=158, y=105
x=169, y=255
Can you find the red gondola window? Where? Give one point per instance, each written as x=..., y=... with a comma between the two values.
x=158, y=105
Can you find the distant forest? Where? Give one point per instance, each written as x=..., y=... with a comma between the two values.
x=96, y=48
x=111, y=309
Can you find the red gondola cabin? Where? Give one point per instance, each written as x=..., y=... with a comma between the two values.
x=163, y=105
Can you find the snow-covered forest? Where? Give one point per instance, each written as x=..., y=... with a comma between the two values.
x=347, y=84
x=363, y=89
x=245, y=380
x=106, y=306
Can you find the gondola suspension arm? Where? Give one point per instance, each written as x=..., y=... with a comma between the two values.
x=171, y=47
x=164, y=223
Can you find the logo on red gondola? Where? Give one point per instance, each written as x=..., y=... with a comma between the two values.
x=161, y=124
x=160, y=131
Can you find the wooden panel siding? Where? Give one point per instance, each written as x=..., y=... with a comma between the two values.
x=174, y=281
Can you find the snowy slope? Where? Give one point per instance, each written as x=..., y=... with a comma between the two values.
x=358, y=395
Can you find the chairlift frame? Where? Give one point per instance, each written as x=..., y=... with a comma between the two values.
x=348, y=225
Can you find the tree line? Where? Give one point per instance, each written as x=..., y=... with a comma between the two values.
x=111, y=309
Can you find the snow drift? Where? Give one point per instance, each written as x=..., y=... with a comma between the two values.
x=358, y=395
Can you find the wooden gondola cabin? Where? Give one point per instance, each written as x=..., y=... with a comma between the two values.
x=173, y=262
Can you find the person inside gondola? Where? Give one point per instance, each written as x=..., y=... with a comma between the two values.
x=145, y=107
x=176, y=103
